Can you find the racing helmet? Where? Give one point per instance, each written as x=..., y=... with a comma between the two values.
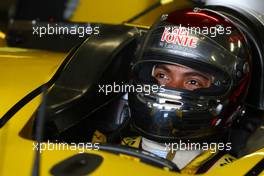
x=207, y=42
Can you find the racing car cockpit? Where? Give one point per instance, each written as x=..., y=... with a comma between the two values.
x=78, y=104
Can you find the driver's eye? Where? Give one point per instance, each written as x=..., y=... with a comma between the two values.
x=161, y=76
x=193, y=82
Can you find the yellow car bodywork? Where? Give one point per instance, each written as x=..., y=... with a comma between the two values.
x=24, y=70
x=118, y=11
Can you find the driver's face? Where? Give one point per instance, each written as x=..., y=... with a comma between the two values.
x=178, y=76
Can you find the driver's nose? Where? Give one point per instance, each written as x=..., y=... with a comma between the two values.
x=176, y=82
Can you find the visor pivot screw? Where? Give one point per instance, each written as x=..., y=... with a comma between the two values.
x=196, y=9
x=164, y=17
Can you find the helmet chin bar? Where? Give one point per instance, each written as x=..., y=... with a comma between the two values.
x=178, y=115
x=213, y=135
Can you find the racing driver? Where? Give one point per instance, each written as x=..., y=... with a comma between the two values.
x=201, y=62
x=204, y=82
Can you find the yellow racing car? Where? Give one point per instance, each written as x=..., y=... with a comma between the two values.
x=54, y=119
